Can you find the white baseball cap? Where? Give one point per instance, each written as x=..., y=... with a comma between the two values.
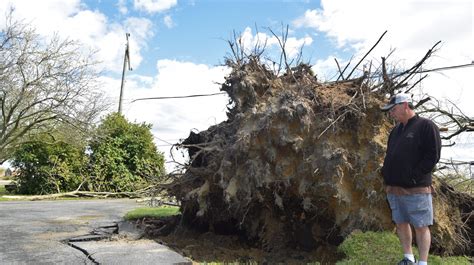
x=397, y=99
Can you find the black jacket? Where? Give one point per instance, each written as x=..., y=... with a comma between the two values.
x=412, y=152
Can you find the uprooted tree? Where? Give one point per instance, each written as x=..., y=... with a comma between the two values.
x=297, y=162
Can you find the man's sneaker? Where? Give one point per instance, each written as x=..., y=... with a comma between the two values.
x=406, y=261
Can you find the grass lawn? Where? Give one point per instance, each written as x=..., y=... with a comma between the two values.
x=383, y=248
x=152, y=212
x=3, y=191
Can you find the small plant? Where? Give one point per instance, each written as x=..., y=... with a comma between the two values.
x=162, y=211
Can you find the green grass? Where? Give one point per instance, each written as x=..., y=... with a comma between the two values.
x=247, y=262
x=383, y=248
x=152, y=212
x=3, y=191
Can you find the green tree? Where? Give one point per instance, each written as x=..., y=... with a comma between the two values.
x=123, y=156
x=47, y=164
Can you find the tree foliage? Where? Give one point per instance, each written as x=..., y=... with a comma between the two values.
x=43, y=83
x=123, y=156
x=47, y=165
x=120, y=156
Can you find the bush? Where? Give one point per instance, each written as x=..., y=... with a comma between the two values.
x=45, y=167
x=123, y=156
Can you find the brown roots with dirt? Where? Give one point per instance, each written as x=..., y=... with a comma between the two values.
x=296, y=165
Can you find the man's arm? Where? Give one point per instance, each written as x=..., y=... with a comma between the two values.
x=431, y=146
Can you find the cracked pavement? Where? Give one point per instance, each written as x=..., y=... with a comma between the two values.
x=37, y=233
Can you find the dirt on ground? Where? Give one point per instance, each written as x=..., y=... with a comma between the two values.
x=210, y=246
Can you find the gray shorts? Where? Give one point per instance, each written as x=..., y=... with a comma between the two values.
x=416, y=209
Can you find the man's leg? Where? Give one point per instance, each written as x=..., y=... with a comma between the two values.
x=423, y=241
x=404, y=231
x=404, y=234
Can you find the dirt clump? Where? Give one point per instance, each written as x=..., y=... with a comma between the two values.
x=208, y=246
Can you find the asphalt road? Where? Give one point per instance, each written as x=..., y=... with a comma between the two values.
x=32, y=232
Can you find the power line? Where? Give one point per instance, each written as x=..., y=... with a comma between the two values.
x=433, y=69
x=377, y=75
x=189, y=96
x=222, y=93
x=446, y=68
x=163, y=140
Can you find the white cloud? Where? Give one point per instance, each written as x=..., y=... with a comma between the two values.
x=249, y=41
x=122, y=7
x=168, y=21
x=140, y=30
x=326, y=69
x=292, y=46
x=68, y=19
x=46, y=15
x=154, y=6
x=362, y=22
x=413, y=27
x=173, y=119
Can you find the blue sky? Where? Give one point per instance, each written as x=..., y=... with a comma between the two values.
x=178, y=47
x=199, y=30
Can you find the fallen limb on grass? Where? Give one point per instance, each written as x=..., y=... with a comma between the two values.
x=75, y=194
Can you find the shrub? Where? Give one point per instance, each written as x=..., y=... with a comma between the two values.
x=123, y=156
x=45, y=167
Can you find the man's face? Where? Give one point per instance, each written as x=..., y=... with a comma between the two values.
x=398, y=111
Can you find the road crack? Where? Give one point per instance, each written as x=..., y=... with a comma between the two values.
x=100, y=233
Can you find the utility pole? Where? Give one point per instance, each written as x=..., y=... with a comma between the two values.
x=126, y=60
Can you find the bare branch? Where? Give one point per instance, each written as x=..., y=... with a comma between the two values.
x=339, y=68
x=360, y=61
x=44, y=82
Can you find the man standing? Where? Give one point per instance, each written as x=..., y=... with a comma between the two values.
x=413, y=149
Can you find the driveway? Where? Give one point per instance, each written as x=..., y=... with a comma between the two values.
x=33, y=232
